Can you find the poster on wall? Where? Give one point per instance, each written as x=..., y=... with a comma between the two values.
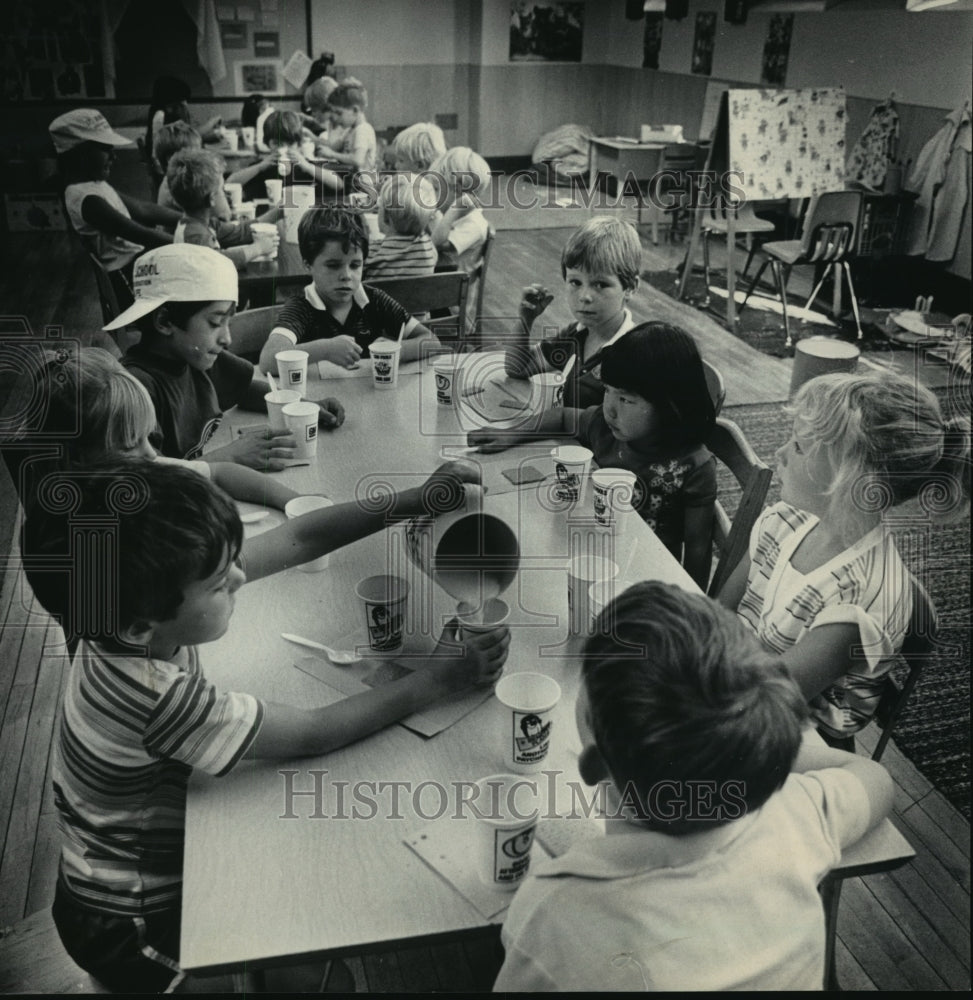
x=259, y=76
x=652, y=41
x=777, y=50
x=233, y=34
x=266, y=44
x=546, y=32
x=703, y=43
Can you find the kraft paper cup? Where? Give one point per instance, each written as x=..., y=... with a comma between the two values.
x=472, y=620
x=506, y=814
x=301, y=420
x=385, y=363
x=531, y=698
x=384, y=599
x=444, y=368
x=248, y=136
x=612, y=493
x=275, y=190
x=600, y=595
x=583, y=571
x=546, y=391
x=292, y=370
x=303, y=505
x=276, y=401
x=571, y=471
x=269, y=229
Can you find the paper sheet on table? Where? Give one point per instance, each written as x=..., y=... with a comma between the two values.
x=328, y=369
x=372, y=672
x=445, y=845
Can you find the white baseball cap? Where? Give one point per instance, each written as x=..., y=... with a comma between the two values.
x=178, y=272
x=83, y=125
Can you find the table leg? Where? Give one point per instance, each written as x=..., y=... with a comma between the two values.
x=731, y=283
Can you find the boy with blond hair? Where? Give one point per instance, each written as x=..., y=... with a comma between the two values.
x=169, y=140
x=406, y=208
x=358, y=146
x=462, y=229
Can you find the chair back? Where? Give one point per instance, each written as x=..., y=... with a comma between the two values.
x=730, y=446
x=440, y=291
x=478, y=276
x=714, y=382
x=106, y=291
x=830, y=226
x=250, y=329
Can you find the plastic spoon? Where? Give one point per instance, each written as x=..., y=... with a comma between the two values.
x=335, y=655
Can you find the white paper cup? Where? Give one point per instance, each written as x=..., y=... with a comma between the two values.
x=583, y=571
x=444, y=368
x=385, y=362
x=384, y=599
x=492, y=615
x=276, y=401
x=248, y=135
x=307, y=149
x=600, y=595
x=292, y=370
x=269, y=229
x=531, y=699
x=303, y=505
x=234, y=195
x=612, y=494
x=506, y=814
x=230, y=139
x=571, y=471
x=247, y=210
x=302, y=421
x=275, y=190
x=546, y=391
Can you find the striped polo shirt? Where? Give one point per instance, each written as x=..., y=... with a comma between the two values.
x=131, y=732
x=401, y=257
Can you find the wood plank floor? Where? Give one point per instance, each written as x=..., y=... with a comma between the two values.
x=909, y=929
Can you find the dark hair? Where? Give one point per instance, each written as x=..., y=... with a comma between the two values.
x=250, y=112
x=331, y=223
x=78, y=162
x=164, y=527
x=179, y=313
x=661, y=363
x=283, y=128
x=680, y=692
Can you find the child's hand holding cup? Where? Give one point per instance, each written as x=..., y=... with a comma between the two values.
x=266, y=239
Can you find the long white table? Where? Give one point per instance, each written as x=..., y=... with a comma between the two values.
x=262, y=889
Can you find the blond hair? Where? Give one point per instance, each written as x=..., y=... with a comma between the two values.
x=422, y=144
x=604, y=245
x=408, y=202
x=463, y=163
x=194, y=176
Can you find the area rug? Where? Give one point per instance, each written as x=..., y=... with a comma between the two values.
x=934, y=730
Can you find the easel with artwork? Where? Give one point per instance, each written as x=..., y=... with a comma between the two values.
x=771, y=144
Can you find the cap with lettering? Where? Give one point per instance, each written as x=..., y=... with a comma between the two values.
x=178, y=272
x=83, y=125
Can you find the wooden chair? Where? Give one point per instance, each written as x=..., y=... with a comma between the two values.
x=728, y=444
x=829, y=239
x=714, y=382
x=478, y=277
x=441, y=291
x=250, y=329
x=745, y=223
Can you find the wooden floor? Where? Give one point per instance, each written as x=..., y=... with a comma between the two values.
x=906, y=930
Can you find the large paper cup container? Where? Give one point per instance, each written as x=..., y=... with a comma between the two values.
x=506, y=812
x=571, y=471
x=444, y=368
x=815, y=356
x=276, y=401
x=248, y=136
x=275, y=190
x=491, y=615
x=384, y=599
x=385, y=362
x=546, y=391
x=530, y=699
x=583, y=571
x=268, y=229
x=292, y=370
x=301, y=419
x=303, y=505
x=612, y=494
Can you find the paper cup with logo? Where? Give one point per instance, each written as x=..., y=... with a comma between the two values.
x=268, y=229
x=275, y=190
x=571, y=472
x=276, y=401
x=612, y=494
x=248, y=135
x=583, y=571
x=303, y=505
x=301, y=420
x=530, y=699
x=546, y=391
x=247, y=211
x=234, y=195
x=385, y=362
x=384, y=599
x=292, y=370
x=444, y=368
x=506, y=812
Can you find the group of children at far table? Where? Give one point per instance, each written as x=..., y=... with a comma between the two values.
x=690, y=897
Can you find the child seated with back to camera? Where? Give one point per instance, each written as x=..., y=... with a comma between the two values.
x=721, y=818
x=138, y=715
x=185, y=298
x=462, y=229
x=406, y=207
x=336, y=317
x=654, y=420
x=416, y=148
x=168, y=141
x=600, y=264
x=195, y=178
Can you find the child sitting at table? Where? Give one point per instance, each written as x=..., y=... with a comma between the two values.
x=655, y=418
x=406, y=207
x=358, y=146
x=462, y=229
x=185, y=296
x=600, y=264
x=138, y=714
x=336, y=317
x=195, y=178
x=417, y=147
x=170, y=139
x=113, y=227
x=823, y=585
x=720, y=823
x=317, y=118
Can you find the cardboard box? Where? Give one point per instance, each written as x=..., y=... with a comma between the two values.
x=32, y=213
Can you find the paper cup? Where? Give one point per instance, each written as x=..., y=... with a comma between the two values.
x=276, y=401
x=384, y=598
x=385, y=363
x=230, y=140
x=275, y=190
x=600, y=595
x=527, y=731
x=248, y=135
x=234, y=195
x=571, y=470
x=612, y=494
x=307, y=149
x=269, y=229
x=506, y=814
x=583, y=571
x=292, y=370
x=472, y=620
x=303, y=505
x=301, y=420
x=546, y=391
x=444, y=368
x=246, y=211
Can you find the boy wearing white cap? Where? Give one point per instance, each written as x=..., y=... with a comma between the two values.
x=185, y=296
x=113, y=227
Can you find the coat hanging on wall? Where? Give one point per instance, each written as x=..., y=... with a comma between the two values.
x=876, y=148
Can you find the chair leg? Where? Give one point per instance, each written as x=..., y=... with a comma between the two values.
x=751, y=250
x=705, y=235
x=818, y=286
x=782, y=291
x=753, y=285
x=830, y=891
x=854, y=298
